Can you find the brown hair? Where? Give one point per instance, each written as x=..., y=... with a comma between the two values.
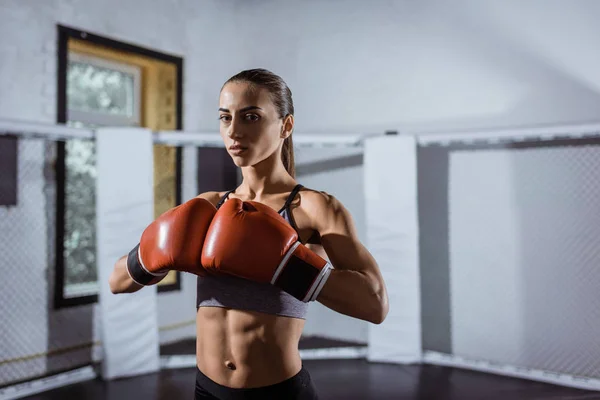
x=281, y=96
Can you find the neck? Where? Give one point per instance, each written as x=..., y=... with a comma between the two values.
x=268, y=176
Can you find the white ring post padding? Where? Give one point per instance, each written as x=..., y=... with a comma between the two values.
x=390, y=182
x=124, y=207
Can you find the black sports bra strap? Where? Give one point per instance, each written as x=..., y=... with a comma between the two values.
x=288, y=201
x=225, y=196
x=292, y=195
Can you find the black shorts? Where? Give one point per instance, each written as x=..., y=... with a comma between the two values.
x=298, y=387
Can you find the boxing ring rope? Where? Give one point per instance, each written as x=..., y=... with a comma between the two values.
x=498, y=136
x=395, y=233
x=174, y=138
x=36, y=130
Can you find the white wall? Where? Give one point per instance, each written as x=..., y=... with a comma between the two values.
x=28, y=48
x=369, y=66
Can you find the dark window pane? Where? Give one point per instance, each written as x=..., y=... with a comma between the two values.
x=80, y=218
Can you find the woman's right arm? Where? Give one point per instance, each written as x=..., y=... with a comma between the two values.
x=120, y=281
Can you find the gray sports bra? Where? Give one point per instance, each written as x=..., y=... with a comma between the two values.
x=243, y=294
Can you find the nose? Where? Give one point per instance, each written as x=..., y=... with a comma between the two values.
x=233, y=131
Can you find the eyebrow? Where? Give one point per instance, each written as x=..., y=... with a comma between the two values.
x=243, y=109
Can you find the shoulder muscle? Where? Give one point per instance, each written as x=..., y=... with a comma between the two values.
x=327, y=213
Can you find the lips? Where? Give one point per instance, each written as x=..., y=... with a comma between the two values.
x=237, y=149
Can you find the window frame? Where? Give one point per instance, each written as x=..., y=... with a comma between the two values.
x=64, y=34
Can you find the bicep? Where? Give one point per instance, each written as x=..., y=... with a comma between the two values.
x=345, y=251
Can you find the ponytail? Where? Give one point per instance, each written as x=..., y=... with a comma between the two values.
x=287, y=156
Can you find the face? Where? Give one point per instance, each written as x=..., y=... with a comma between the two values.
x=249, y=124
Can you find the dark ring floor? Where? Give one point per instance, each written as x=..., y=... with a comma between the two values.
x=334, y=379
x=340, y=379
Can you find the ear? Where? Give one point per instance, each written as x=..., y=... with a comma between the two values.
x=287, y=127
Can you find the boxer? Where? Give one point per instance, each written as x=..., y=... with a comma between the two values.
x=267, y=250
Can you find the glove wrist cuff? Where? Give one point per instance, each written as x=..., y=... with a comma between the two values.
x=316, y=288
x=302, y=273
x=138, y=272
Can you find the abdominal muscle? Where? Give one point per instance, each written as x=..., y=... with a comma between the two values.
x=245, y=349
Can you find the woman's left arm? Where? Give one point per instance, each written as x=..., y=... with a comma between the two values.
x=355, y=286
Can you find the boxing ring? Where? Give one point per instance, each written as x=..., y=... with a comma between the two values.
x=487, y=242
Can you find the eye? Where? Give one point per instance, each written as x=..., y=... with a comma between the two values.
x=224, y=118
x=252, y=117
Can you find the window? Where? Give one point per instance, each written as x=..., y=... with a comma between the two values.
x=102, y=92
x=100, y=84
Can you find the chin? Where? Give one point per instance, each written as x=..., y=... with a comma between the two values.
x=241, y=161
x=247, y=159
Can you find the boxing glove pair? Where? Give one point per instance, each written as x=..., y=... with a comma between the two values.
x=245, y=239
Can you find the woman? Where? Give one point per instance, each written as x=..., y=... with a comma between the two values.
x=247, y=332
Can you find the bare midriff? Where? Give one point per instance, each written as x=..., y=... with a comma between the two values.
x=246, y=349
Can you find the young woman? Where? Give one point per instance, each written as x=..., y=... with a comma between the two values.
x=248, y=331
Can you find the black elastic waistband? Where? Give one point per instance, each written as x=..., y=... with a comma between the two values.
x=281, y=390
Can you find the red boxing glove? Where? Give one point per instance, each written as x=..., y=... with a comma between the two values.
x=173, y=241
x=250, y=240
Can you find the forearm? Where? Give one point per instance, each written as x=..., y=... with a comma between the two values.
x=355, y=294
x=120, y=281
